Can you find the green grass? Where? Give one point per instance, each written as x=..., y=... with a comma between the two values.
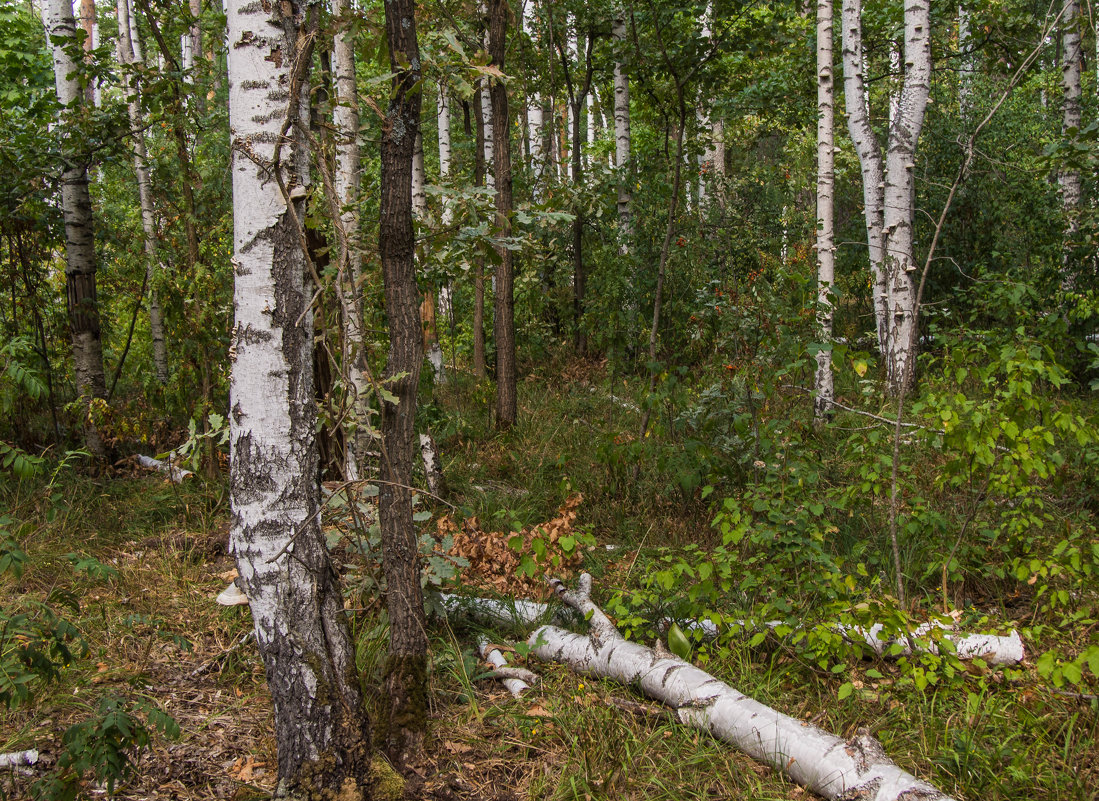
x=983, y=734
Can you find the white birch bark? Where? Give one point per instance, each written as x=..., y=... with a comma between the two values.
x=76, y=208
x=187, y=57
x=895, y=73
x=888, y=192
x=195, y=30
x=347, y=179
x=127, y=57
x=868, y=151
x=492, y=655
x=443, y=100
x=573, y=40
x=818, y=760
x=967, y=68
x=486, y=116
x=135, y=40
x=826, y=180
x=622, y=135
x=705, y=128
x=1069, y=179
x=591, y=128
x=900, y=191
x=275, y=536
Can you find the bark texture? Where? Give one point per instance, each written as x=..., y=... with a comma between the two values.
x=822, y=762
x=347, y=180
x=127, y=56
x=888, y=186
x=535, y=117
x=1069, y=180
x=76, y=208
x=294, y=592
x=406, y=674
x=826, y=181
x=504, y=296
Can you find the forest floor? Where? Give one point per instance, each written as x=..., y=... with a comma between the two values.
x=145, y=559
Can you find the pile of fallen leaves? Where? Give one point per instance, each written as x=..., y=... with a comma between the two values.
x=496, y=557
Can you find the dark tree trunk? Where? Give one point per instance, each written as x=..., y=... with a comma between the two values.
x=479, y=260
x=504, y=319
x=406, y=675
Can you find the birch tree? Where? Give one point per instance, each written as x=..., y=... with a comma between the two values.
x=406, y=669
x=76, y=208
x=535, y=123
x=294, y=592
x=1069, y=179
x=504, y=301
x=888, y=189
x=622, y=129
x=826, y=179
x=347, y=180
x=127, y=57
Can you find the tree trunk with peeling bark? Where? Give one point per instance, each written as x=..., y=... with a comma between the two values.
x=295, y=595
x=76, y=208
x=818, y=760
x=126, y=57
x=826, y=180
x=406, y=668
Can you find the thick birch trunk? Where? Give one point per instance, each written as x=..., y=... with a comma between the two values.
x=826, y=180
x=406, y=673
x=76, y=208
x=822, y=762
x=296, y=601
x=869, y=152
x=900, y=167
x=504, y=301
x=126, y=56
x=1069, y=180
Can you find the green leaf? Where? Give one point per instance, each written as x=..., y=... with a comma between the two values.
x=845, y=690
x=678, y=643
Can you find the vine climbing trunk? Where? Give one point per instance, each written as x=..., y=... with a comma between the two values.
x=406, y=669
x=296, y=600
x=76, y=208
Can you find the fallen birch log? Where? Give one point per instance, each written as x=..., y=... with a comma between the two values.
x=994, y=649
x=515, y=680
x=819, y=761
x=176, y=474
x=18, y=759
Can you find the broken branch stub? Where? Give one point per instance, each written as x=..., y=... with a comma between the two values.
x=818, y=760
